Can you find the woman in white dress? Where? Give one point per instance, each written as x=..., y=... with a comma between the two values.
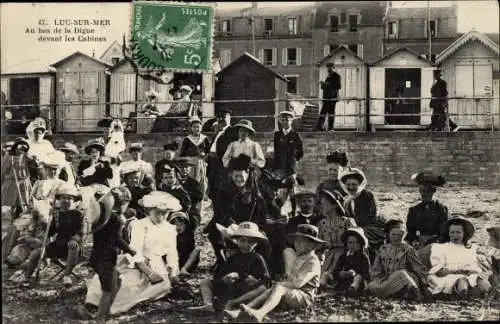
x=455, y=267
x=147, y=275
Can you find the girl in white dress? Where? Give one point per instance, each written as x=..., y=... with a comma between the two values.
x=146, y=275
x=455, y=267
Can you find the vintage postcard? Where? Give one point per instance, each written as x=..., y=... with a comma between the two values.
x=316, y=161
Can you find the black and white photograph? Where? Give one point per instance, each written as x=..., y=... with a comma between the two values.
x=249, y=162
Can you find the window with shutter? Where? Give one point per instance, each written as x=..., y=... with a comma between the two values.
x=299, y=56
x=291, y=57
x=284, y=56
x=268, y=24
x=334, y=24
x=292, y=26
x=226, y=26
x=326, y=50
x=268, y=56
x=353, y=48
x=275, y=56
x=392, y=27
x=360, y=51
x=353, y=23
x=343, y=18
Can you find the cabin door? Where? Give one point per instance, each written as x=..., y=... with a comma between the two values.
x=92, y=111
x=72, y=109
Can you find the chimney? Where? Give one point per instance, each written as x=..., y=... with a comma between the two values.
x=93, y=53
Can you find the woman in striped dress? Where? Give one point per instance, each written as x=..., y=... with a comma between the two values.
x=196, y=146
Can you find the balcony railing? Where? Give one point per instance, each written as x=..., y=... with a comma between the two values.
x=351, y=114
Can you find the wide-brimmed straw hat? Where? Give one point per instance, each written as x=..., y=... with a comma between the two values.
x=353, y=173
x=247, y=124
x=428, y=178
x=161, y=200
x=68, y=190
x=308, y=231
x=178, y=215
x=359, y=232
x=54, y=159
x=335, y=197
x=97, y=143
x=227, y=232
x=69, y=147
x=136, y=147
x=466, y=224
x=248, y=229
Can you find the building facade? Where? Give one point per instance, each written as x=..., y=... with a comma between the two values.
x=410, y=28
x=282, y=36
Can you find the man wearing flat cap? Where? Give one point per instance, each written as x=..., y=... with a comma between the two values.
x=330, y=87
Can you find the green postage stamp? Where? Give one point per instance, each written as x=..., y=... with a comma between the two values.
x=172, y=36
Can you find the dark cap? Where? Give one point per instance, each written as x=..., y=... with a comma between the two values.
x=223, y=112
x=106, y=122
x=240, y=163
x=172, y=146
x=330, y=64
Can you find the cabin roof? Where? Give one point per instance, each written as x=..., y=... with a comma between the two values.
x=463, y=40
x=335, y=51
x=390, y=54
x=82, y=54
x=110, y=47
x=252, y=59
x=35, y=66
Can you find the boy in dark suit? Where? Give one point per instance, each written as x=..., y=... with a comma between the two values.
x=288, y=150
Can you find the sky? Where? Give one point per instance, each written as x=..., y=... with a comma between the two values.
x=20, y=48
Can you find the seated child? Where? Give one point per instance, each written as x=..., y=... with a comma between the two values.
x=455, y=264
x=301, y=285
x=67, y=225
x=241, y=277
x=189, y=255
x=352, y=270
x=397, y=268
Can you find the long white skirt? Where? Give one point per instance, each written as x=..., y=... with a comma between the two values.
x=135, y=288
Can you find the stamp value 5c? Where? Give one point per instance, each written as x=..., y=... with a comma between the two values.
x=172, y=36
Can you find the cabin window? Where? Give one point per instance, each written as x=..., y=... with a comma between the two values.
x=268, y=25
x=334, y=24
x=268, y=56
x=353, y=48
x=115, y=60
x=353, y=23
x=226, y=26
x=292, y=26
x=392, y=29
x=291, y=86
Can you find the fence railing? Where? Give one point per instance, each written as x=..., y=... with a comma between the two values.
x=352, y=113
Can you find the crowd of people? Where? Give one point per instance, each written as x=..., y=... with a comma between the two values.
x=141, y=221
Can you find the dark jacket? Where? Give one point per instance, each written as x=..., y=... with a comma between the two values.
x=248, y=206
x=288, y=151
x=63, y=175
x=331, y=86
x=439, y=90
x=427, y=218
x=102, y=174
x=159, y=167
x=359, y=262
x=230, y=135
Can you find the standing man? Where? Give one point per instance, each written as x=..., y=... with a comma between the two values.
x=288, y=151
x=216, y=172
x=439, y=103
x=330, y=87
